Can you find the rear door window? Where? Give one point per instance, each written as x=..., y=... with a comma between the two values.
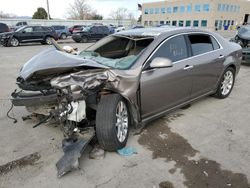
x=174, y=49
x=200, y=43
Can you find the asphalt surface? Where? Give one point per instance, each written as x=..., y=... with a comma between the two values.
x=205, y=145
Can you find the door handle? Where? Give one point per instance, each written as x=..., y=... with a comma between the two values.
x=187, y=67
x=221, y=56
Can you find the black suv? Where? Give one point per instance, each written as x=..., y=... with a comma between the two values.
x=4, y=28
x=28, y=34
x=95, y=32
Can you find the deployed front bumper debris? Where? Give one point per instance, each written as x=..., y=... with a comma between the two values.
x=73, y=150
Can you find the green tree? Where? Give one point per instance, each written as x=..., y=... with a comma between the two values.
x=40, y=14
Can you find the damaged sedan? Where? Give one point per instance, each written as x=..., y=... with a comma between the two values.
x=125, y=80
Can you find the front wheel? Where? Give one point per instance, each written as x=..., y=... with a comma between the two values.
x=48, y=40
x=63, y=36
x=112, y=122
x=226, y=84
x=14, y=42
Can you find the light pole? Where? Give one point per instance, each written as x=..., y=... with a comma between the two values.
x=48, y=9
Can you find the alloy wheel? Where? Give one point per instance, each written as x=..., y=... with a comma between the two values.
x=121, y=121
x=227, y=83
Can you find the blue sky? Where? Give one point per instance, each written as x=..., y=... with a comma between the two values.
x=58, y=8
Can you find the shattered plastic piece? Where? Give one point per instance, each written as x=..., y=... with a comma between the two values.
x=72, y=152
x=127, y=151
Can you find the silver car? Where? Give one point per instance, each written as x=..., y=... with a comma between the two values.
x=127, y=79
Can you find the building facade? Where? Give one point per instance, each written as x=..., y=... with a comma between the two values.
x=210, y=14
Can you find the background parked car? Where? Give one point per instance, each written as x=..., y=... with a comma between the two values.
x=95, y=32
x=243, y=36
x=28, y=34
x=75, y=28
x=4, y=28
x=137, y=27
x=61, y=31
x=120, y=28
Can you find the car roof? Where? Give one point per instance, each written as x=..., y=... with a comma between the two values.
x=155, y=31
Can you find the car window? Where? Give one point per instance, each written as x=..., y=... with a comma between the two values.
x=216, y=45
x=200, y=43
x=28, y=29
x=37, y=29
x=93, y=30
x=174, y=49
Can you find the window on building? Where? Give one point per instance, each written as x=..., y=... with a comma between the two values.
x=203, y=23
x=162, y=22
x=225, y=22
x=182, y=9
x=220, y=25
x=174, y=22
x=196, y=23
x=145, y=23
x=157, y=10
x=223, y=8
x=181, y=23
x=189, y=8
x=227, y=8
x=169, y=10
x=188, y=23
x=163, y=10
x=151, y=11
x=200, y=43
x=197, y=8
x=146, y=11
x=232, y=22
x=238, y=9
x=174, y=49
x=216, y=24
x=175, y=9
x=231, y=8
x=206, y=7
x=228, y=22
x=168, y=22
x=219, y=8
x=150, y=23
x=235, y=8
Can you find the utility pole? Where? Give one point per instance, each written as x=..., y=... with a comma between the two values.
x=48, y=9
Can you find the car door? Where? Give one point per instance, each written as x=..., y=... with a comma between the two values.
x=206, y=62
x=164, y=88
x=93, y=33
x=38, y=33
x=26, y=34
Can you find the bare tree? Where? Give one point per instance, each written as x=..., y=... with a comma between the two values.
x=119, y=14
x=79, y=10
x=6, y=15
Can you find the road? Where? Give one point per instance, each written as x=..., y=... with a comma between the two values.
x=205, y=145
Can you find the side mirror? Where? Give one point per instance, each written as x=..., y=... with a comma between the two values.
x=160, y=62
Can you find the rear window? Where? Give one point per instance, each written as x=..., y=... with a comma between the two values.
x=200, y=43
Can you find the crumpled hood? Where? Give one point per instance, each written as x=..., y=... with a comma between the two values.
x=54, y=61
x=6, y=33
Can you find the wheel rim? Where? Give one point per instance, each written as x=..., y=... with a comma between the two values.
x=63, y=36
x=48, y=40
x=14, y=42
x=227, y=83
x=121, y=121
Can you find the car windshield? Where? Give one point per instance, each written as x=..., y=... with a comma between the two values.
x=21, y=28
x=117, y=52
x=86, y=29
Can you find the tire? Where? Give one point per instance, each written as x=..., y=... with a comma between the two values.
x=84, y=39
x=225, y=87
x=63, y=36
x=108, y=123
x=14, y=42
x=48, y=40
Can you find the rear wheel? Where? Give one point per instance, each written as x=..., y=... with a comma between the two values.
x=84, y=39
x=112, y=122
x=226, y=83
x=14, y=42
x=63, y=36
